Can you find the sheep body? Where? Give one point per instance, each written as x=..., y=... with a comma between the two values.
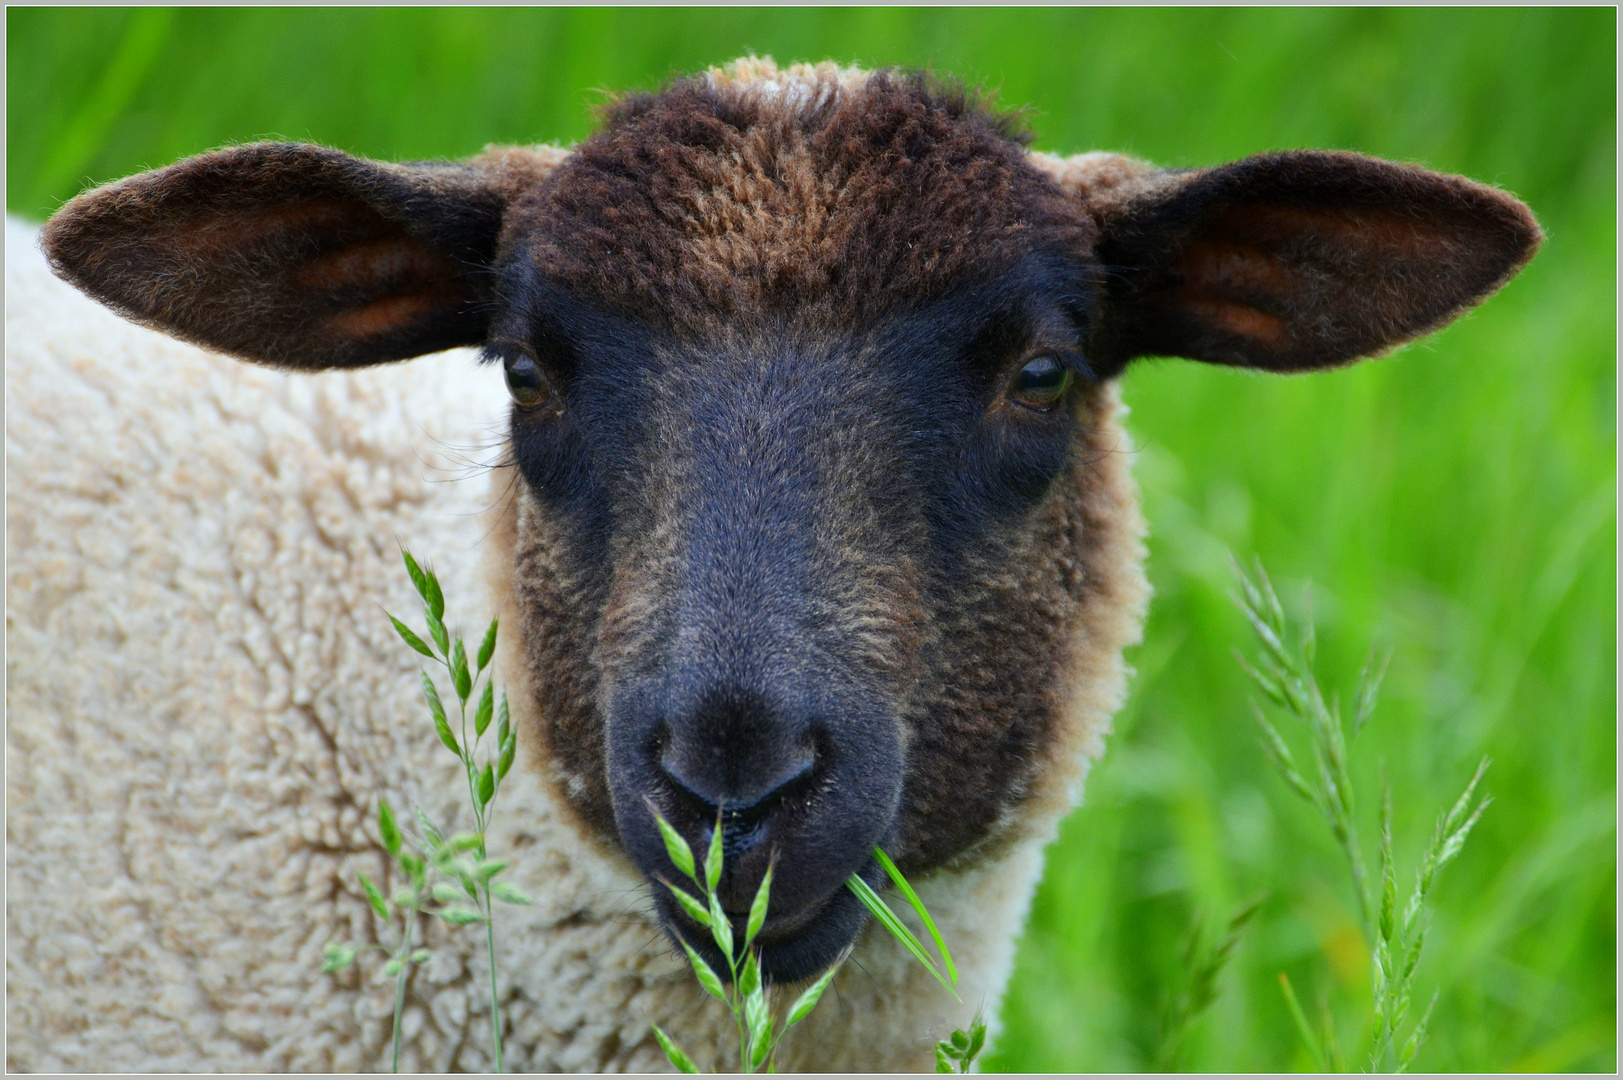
x=206, y=702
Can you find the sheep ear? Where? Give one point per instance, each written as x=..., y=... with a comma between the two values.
x=297, y=255
x=1296, y=261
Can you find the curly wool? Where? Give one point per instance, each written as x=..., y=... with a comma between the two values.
x=206, y=701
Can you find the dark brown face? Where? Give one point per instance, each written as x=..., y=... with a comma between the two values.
x=821, y=582
x=820, y=501
x=798, y=525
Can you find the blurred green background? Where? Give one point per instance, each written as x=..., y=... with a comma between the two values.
x=1455, y=503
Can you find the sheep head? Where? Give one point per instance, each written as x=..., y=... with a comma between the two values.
x=813, y=392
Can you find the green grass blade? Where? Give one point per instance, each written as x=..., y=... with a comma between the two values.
x=807, y=1001
x=487, y=706
x=410, y=638
x=337, y=957
x=706, y=974
x=509, y=749
x=675, y=1053
x=676, y=847
x=887, y=918
x=713, y=858
x=1327, y=1027
x=749, y=979
x=374, y=897
x=487, y=648
x=461, y=679
x=388, y=829
x=436, y=630
x=1302, y=1026
x=487, y=786
x=1389, y=879
x=721, y=927
x=696, y=910
x=758, y=1021
x=418, y=581
x=923, y=914
x=508, y=893
x=433, y=596
x=436, y=709
x=758, y=909
x=1418, y=1038
x=1457, y=811
x=977, y=1038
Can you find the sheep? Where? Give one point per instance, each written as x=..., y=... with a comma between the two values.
x=813, y=507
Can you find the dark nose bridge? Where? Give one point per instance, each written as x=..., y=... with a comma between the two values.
x=743, y=701
x=741, y=711
x=742, y=723
x=749, y=562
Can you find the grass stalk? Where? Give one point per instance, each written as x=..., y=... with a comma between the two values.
x=447, y=872
x=399, y=1009
x=1204, y=961
x=495, y=1002
x=747, y=996
x=1285, y=676
x=1303, y=1028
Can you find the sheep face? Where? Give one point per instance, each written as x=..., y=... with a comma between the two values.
x=824, y=582
x=792, y=522
x=820, y=495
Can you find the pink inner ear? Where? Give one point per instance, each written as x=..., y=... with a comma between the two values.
x=390, y=283
x=1351, y=229
x=1231, y=268
x=388, y=315
x=314, y=216
x=1304, y=260
x=1227, y=284
x=392, y=260
x=1257, y=270
x=376, y=282
x=1239, y=320
x=236, y=229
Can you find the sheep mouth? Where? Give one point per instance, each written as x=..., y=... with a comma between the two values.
x=792, y=947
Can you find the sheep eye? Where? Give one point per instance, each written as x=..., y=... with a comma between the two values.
x=525, y=382
x=1041, y=383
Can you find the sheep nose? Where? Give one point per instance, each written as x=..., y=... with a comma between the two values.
x=748, y=801
x=805, y=774
x=744, y=814
x=738, y=754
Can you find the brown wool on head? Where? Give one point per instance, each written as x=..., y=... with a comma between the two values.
x=741, y=192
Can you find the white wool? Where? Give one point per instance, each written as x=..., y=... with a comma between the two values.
x=205, y=702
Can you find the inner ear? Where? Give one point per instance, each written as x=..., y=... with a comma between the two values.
x=325, y=279
x=290, y=255
x=1296, y=261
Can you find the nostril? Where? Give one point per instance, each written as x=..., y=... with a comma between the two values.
x=739, y=836
x=691, y=788
x=743, y=801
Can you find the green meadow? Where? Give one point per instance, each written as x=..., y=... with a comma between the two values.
x=1454, y=502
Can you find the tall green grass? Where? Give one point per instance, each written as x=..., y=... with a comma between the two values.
x=1455, y=502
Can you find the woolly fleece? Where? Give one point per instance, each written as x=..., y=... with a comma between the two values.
x=205, y=701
